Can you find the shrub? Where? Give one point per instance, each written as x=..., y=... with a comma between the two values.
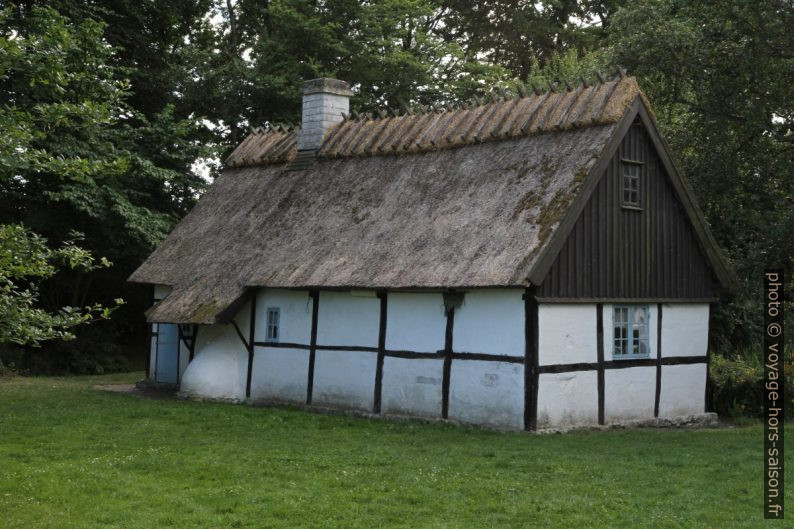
x=91, y=353
x=737, y=384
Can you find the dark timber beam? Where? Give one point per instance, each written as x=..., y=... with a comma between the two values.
x=381, y=352
x=193, y=343
x=707, y=398
x=315, y=295
x=251, y=339
x=658, y=394
x=600, y=349
x=447, y=363
x=531, y=360
x=240, y=334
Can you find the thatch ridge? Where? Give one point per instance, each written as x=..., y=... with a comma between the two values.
x=426, y=129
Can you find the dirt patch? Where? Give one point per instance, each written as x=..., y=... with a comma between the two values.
x=138, y=390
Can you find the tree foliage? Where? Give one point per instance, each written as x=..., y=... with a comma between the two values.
x=26, y=260
x=75, y=156
x=718, y=75
x=393, y=52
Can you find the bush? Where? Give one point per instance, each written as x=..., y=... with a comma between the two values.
x=91, y=353
x=737, y=384
x=7, y=371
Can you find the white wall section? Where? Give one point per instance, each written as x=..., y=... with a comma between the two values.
x=220, y=364
x=344, y=378
x=280, y=375
x=295, y=319
x=412, y=386
x=629, y=393
x=491, y=322
x=567, y=333
x=161, y=291
x=683, y=390
x=344, y=319
x=568, y=399
x=415, y=322
x=487, y=393
x=685, y=329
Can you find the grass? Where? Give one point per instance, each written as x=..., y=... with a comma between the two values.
x=72, y=456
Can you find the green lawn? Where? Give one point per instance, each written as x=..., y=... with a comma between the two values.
x=72, y=456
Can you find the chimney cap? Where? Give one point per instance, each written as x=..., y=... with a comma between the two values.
x=326, y=85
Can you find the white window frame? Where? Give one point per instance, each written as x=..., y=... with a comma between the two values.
x=632, y=342
x=273, y=324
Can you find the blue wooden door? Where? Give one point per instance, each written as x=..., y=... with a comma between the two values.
x=167, y=353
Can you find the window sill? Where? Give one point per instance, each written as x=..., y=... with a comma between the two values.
x=630, y=208
x=630, y=357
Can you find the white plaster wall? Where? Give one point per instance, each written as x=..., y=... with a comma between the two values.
x=161, y=291
x=487, y=393
x=344, y=378
x=412, y=386
x=683, y=389
x=491, y=322
x=653, y=328
x=280, y=374
x=568, y=399
x=629, y=393
x=345, y=319
x=219, y=367
x=415, y=322
x=685, y=329
x=295, y=314
x=567, y=333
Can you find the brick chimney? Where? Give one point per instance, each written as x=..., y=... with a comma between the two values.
x=324, y=101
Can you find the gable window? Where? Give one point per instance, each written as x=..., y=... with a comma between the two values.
x=630, y=338
x=632, y=172
x=273, y=317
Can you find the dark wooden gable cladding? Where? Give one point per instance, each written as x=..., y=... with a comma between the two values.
x=614, y=252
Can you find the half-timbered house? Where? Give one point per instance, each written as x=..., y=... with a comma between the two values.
x=524, y=262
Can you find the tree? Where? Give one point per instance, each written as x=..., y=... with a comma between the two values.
x=392, y=51
x=525, y=37
x=719, y=76
x=76, y=157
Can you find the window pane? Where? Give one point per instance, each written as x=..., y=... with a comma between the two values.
x=631, y=183
x=272, y=323
x=620, y=317
x=641, y=326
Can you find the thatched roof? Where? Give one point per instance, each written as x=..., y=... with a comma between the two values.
x=467, y=198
